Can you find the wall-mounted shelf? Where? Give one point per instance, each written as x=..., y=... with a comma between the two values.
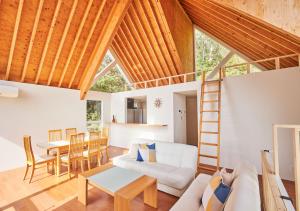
x=138, y=124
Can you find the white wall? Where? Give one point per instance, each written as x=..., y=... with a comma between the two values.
x=122, y=135
x=179, y=104
x=37, y=110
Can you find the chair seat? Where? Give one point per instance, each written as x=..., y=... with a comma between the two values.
x=86, y=152
x=103, y=147
x=44, y=158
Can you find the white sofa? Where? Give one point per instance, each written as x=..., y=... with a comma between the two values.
x=244, y=196
x=174, y=170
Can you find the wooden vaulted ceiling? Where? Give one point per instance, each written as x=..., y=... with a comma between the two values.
x=250, y=36
x=62, y=42
x=56, y=43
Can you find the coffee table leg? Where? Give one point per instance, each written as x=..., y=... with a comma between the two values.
x=150, y=195
x=121, y=203
x=82, y=189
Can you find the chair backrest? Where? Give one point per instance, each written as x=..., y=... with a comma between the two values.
x=76, y=145
x=69, y=132
x=28, y=150
x=54, y=135
x=105, y=132
x=94, y=142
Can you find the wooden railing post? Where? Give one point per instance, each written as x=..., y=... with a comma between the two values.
x=277, y=63
x=156, y=82
x=170, y=80
x=145, y=84
x=184, y=78
x=248, y=68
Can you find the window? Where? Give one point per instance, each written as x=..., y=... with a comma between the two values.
x=93, y=115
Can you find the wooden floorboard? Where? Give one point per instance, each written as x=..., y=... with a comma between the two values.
x=48, y=192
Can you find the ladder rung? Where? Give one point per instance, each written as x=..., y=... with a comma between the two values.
x=209, y=132
x=208, y=156
x=211, y=82
x=207, y=168
x=211, y=92
x=209, y=111
x=210, y=121
x=210, y=101
x=209, y=144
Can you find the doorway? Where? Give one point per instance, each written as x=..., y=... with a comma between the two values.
x=191, y=120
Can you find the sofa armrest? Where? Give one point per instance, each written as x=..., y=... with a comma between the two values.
x=190, y=200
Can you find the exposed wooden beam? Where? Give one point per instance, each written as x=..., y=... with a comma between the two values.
x=62, y=41
x=104, y=71
x=14, y=38
x=49, y=35
x=87, y=41
x=78, y=33
x=138, y=28
x=107, y=33
x=31, y=40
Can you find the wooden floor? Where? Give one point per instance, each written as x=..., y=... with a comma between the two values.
x=48, y=192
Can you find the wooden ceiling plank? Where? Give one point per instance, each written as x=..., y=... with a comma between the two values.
x=49, y=35
x=87, y=41
x=31, y=40
x=256, y=44
x=137, y=53
x=77, y=36
x=158, y=13
x=128, y=56
x=232, y=42
x=258, y=24
x=135, y=23
x=247, y=29
x=106, y=36
x=158, y=36
x=126, y=63
x=14, y=38
x=62, y=41
x=138, y=44
x=152, y=38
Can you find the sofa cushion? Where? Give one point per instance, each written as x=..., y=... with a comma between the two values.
x=168, y=175
x=190, y=200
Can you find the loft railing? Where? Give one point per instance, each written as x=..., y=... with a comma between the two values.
x=193, y=76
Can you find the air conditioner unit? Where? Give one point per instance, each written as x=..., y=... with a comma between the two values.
x=9, y=91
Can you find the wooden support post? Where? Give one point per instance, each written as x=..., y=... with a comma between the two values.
x=275, y=150
x=184, y=78
x=277, y=63
x=170, y=80
x=297, y=166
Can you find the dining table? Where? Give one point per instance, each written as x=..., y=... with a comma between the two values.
x=61, y=146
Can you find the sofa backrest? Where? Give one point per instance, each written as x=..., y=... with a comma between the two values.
x=245, y=190
x=174, y=154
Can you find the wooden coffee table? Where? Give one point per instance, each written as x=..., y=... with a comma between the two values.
x=123, y=184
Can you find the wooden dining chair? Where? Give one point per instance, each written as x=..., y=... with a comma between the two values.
x=93, y=148
x=54, y=135
x=104, y=141
x=69, y=132
x=30, y=158
x=75, y=151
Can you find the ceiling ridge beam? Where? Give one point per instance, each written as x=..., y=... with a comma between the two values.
x=138, y=23
x=264, y=48
x=31, y=40
x=62, y=40
x=140, y=52
x=152, y=37
x=108, y=31
x=78, y=33
x=49, y=35
x=14, y=38
x=87, y=41
x=159, y=15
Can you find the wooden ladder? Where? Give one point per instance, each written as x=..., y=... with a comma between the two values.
x=205, y=122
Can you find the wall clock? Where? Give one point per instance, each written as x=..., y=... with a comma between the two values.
x=157, y=102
